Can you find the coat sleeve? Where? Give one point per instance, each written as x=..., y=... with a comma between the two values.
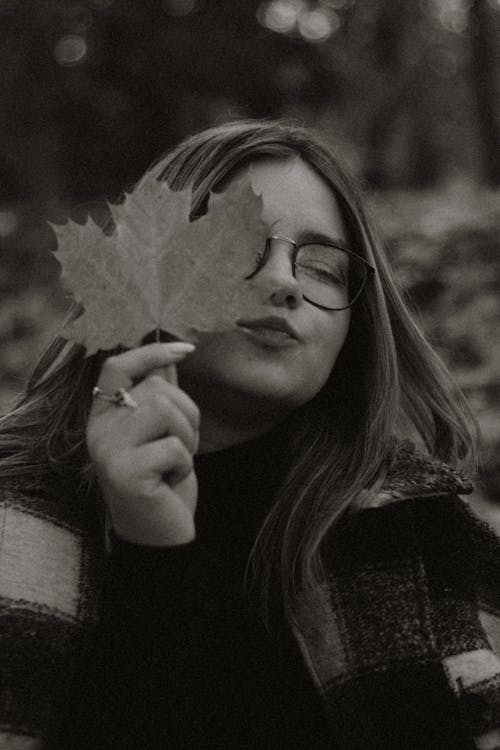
x=476, y=672
x=50, y=562
x=485, y=541
x=157, y=605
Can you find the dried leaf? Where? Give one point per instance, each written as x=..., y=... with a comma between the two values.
x=158, y=270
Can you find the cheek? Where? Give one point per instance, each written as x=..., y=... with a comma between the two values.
x=216, y=355
x=208, y=353
x=334, y=333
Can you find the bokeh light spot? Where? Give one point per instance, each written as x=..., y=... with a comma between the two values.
x=453, y=15
x=8, y=222
x=70, y=49
x=316, y=26
x=280, y=15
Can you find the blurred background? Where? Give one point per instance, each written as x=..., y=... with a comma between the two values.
x=408, y=94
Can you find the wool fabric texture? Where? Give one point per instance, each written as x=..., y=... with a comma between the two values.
x=402, y=646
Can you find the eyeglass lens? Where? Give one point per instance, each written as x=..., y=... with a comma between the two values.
x=329, y=276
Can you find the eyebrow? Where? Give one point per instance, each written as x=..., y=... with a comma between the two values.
x=315, y=236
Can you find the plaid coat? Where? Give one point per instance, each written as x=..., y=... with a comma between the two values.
x=402, y=644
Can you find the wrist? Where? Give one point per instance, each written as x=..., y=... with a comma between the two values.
x=154, y=535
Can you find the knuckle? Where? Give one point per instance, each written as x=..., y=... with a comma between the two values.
x=160, y=404
x=111, y=365
x=156, y=382
x=176, y=446
x=188, y=461
x=196, y=416
x=182, y=464
x=180, y=453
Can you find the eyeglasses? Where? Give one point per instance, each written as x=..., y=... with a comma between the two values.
x=328, y=276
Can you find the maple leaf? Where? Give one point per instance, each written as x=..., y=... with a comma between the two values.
x=159, y=271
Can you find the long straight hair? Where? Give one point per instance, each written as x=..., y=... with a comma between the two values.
x=386, y=375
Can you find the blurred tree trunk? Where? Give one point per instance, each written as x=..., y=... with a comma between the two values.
x=423, y=156
x=386, y=52
x=404, y=93
x=484, y=43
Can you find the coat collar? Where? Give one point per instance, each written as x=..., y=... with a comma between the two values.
x=393, y=629
x=413, y=474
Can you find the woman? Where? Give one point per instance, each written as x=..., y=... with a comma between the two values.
x=284, y=570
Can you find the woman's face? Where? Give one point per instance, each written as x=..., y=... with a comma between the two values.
x=259, y=369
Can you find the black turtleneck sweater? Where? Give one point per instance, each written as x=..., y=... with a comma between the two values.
x=181, y=661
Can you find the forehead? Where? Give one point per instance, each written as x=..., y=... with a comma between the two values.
x=296, y=199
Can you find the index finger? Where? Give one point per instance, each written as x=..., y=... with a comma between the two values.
x=121, y=370
x=169, y=373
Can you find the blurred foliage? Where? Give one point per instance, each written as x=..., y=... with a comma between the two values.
x=445, y=248
x=92, y=91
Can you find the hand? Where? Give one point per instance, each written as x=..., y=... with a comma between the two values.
x=143, y=457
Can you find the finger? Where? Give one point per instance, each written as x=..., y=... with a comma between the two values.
x=156, y=417
x=121, y=370
x=167, y=457
x=170, y=374
x=156, y=383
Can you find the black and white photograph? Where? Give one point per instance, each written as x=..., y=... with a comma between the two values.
x=249, y=375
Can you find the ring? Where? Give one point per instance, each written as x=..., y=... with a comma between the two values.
x=120, y=398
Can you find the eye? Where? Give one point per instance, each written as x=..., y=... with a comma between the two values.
x=325, y=264
x=323, y=272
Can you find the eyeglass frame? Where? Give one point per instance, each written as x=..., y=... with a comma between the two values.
x=261, y=258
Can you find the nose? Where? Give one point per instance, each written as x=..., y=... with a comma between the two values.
x=275, y=278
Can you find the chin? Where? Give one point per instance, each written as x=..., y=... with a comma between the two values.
x=266, y=390
x=225, y=377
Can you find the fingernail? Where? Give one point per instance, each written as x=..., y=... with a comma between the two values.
x=180, y=347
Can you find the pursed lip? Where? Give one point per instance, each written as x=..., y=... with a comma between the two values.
x=272, y=323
